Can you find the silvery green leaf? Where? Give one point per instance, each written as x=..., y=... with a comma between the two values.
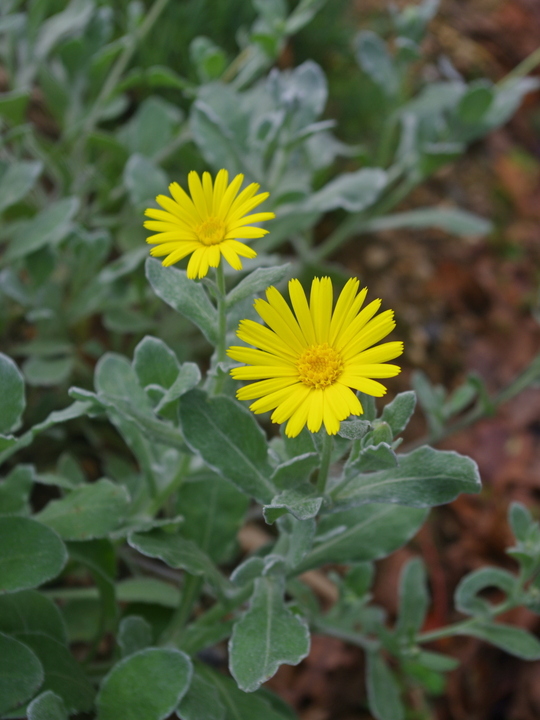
x=183, y=295
x=217, y=511
x=146, y=685
x=266, y=636
x=31, y=611
x=16, y=182
x=155, y=363
x=48, y=227
x=398, y=412
x=229, y=440
x=256, y=282
x=354, y=429
x=371, y=459
x=88, y=511
x=423, y=478
x=63, y=674
x=30, y=554
x=475, y=103
x=513, y=640
x=364, y=533
x=12, y=394
x=295, y=471
x=466, y=595
x=177, y=552
x=301, y=501
x=21, y=673
x=143, y=179
x=47, y=706
x=134, y=634
x=201, y=701
x=352, y=191
x=520, y=520
x=15, y=490
x=242, y=705
x=375, y=60
x=382, y=689
x=413, y=598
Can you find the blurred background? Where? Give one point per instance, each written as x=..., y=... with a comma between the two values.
x=102, y=103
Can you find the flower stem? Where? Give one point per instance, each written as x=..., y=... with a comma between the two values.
x=326, y=456
x=190, y=592
x=221, y=354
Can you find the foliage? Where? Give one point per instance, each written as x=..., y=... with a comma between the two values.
x=134, y=555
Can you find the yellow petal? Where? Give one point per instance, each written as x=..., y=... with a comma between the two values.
x=343, y=305
x=262, y=337
x=316, y=410
x=260, y=372
x=229, y=195
x=365, y=385
x=264, y=388
x=196, y=190
x=256, y=357
x=220, y=186
x=208, y=191
x=180, y=253
x=380, y=353
x=285, y=409
x=278, y=302
x=278, y=324
x=248, y=219
x=185, y=202
x=350, y=333
x=374, y=331
x=321, y=307
x=301, y=309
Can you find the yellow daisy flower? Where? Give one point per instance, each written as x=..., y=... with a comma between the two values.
x=310, y=361
x=208, y=224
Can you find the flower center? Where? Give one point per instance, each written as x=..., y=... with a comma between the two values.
x=319, y=366
x=211, y=231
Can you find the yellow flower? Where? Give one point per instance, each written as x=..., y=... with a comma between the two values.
x=311, y=361
x=207, y=224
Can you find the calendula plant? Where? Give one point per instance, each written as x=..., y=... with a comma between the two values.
x=141, y=569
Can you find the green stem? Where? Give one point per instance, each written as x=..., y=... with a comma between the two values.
x=162, y=497
x=221, y=348
x=326, y=456
x=190, y=593
x=524, y=68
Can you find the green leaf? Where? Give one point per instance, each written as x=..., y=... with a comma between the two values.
x=63, y=675
x=99, y=557
x=513, y=640
x=214, y=139
x=398, y=413
x=30, y=554
x=70, y=22
x=87, y=512
x=229, y=440
x=17, y=181
x=353, y=191
x=437, y=661
x=520, y=520
x=375, y=61
x=423, y=478
x=452, y=220
x=151, y=128
x=145, y=686
x=134, y=634
x=201, y=701
x=301, y=501
x=257, y=281
x=48, y=227
x=12, y=394
x=31, y=611
x=21, y=673
x=466, y=595
x=295, y=471
x=188, y=378
x=382, y=689
x=215, y=513
x=185, y=296
x=15, y=490
x=13, y=105
x=413, y=598
x=47, y=706
x=354, y=429
x=266, y=636
x=143, y=180
x=46, y=372
x=372, y=458
x=155, y=363
x=475, y=103
x=148, y=590
x=365, y=533
x=177, y=552
x=240, y=705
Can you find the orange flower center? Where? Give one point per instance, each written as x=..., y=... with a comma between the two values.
x=319, y=366
x=211, y=231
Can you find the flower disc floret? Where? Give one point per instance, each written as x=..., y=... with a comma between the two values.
x=308, y=360
x=206, y=224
